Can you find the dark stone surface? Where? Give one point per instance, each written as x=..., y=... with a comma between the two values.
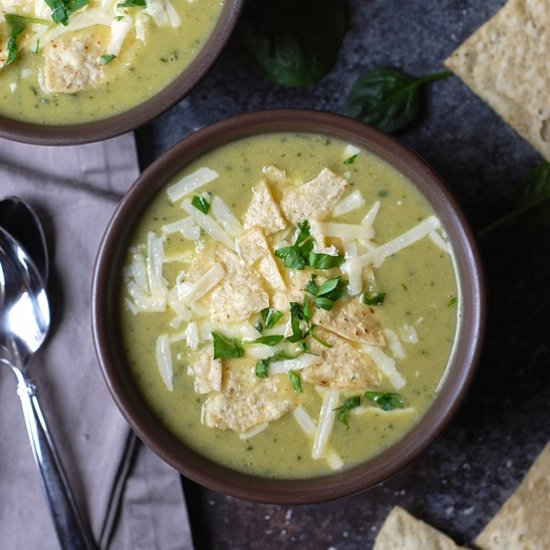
x=460, y=482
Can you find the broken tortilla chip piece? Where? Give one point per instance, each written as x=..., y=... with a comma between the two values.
x=523, y=522
x=401, y=531
x=507, y=63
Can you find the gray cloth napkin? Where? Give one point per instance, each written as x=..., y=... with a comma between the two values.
x=132, y=500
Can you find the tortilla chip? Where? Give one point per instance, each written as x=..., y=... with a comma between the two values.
x=401, y=531
x=507, y=63
x=523, y=522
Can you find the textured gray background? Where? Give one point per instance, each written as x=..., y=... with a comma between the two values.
x=460, y=482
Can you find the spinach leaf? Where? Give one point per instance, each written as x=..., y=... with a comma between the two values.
x=291, y=42
x=387, y=99
x=532, y=199
x=226, y=348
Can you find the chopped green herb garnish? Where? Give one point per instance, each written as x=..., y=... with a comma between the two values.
x=105, y=59
x=301, y=254
x=320, y=340
x=119, y=17
x=349, y=403
x=200, y=203
x=262, y=365
x=295, y=381
x=327, y=293
x=61, y=9
x=296, y=315
x=259, y=327
x=226, y=348
x=452, y=301
x=272, y=340
x=351, y=160
x=270, y=317
x=131, y=4
x=261, y=368
x=17, y=24
x=388, y=401
x=376, y=299
x=37, y=46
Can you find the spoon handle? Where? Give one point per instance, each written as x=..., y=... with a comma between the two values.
x=71, y=530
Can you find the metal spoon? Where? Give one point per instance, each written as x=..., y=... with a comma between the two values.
x=22, y=223
x=24, y=323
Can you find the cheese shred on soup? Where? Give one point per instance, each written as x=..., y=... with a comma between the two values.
x=289, y=305
x=72, y=61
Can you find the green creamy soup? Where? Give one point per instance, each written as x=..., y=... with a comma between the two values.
x=102, y=59
x=289, y=305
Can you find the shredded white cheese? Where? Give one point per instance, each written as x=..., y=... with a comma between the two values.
x=394, y=343
x=210, y=227
x=191, y=292
x=298, y=363
x=191, y=183
x=164, y=360
x=254, y=431
x=386, y=365
x=348, y=204
x=326, y=423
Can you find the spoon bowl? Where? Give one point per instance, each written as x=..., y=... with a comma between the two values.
x=25, y=311
x=24, y=324
x=22, y=223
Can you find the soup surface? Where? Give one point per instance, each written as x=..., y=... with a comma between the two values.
x=289, y=305
x=70, y=62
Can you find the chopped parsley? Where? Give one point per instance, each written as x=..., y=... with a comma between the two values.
x=200, y=203
x=452, y=301
x=387, y=401
x=226, y=348
x=374, y=299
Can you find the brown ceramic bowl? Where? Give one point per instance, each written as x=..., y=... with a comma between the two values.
x=133, y=118
x=167, y=446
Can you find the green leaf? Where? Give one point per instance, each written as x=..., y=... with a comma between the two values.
x=327, y=293
x=262, y=366
x=17, y=23
x=388, y=401
x=318, y=338
x=296, y=315
x=324, y=261
x=295, y=381
x=323, y=303
x=200, y=203
x=106, y=58
x=387, y=99
x=291, y=42
x=305, y=229
x=351, y=160
x=532, y=200
x=61, y=9
x=131, y=4
x=270, y=317
x=349, y=403
x=376, y=299
x=226, y=348
x=452, y=301
x=272, y=340
x=291, y=257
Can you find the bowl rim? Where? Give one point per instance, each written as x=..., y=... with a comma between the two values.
x=126, y=121
x=464, y=357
